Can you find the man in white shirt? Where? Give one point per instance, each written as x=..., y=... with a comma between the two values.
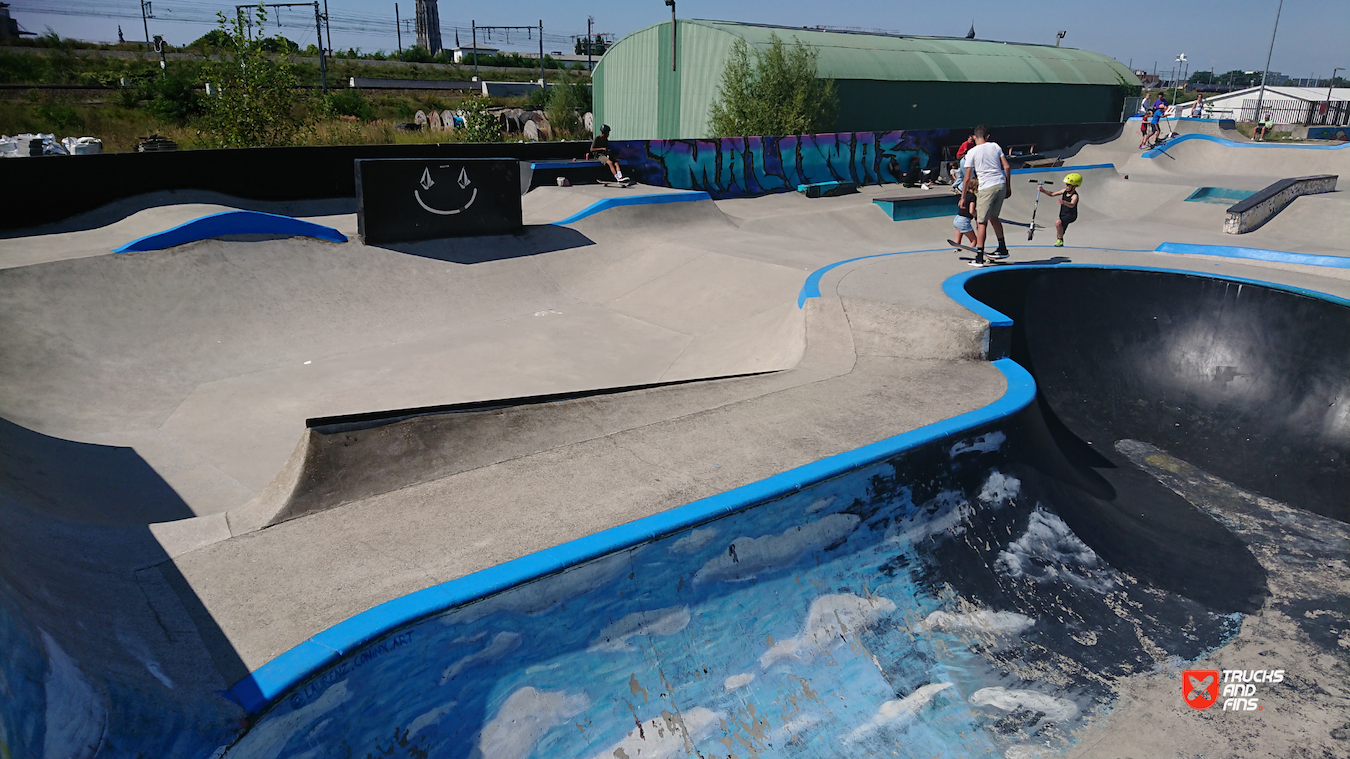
x=987, y=162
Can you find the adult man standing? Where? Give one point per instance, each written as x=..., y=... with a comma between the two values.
x=987, y=162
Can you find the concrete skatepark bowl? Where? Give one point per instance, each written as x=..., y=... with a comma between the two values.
x=866, y=500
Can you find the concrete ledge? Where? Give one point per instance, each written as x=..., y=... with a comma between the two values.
x=1255, y=254
x=1247, y=215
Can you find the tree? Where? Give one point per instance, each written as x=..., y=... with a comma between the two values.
x=772, y=92
x=257, y=104
x=597, y=44
x=563, y=104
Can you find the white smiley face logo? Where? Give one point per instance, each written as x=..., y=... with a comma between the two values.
x=426, y=184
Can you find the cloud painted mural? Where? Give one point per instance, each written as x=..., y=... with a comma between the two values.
x=741, y=167
x=931, y=600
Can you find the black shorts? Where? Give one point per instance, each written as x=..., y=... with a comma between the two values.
x=1068, y=218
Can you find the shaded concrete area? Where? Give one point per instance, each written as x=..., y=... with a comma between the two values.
x=154, y=405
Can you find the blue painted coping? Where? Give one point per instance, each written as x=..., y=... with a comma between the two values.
x=564, y=165
x=1257, y=254
x=273, y=679
x=231, y=223
x=634, y=200
x=811, y=287
x=955, y=285
x=1043, y=169
x=1155, y=152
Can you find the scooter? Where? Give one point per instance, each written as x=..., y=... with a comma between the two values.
x=1031, y=228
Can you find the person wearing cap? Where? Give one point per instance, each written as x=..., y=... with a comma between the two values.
x=600, y=152
x=1068, y=205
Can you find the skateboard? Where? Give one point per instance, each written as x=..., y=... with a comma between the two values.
x=988, y=261
x=616, y=183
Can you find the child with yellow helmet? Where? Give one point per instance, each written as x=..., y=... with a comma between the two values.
x=1068, y=205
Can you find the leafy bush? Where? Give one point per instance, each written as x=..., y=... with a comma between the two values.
x=350, y=103
x=561, y=110
x=258, y=104
x=62, y=118
x=773, y=92
x=176, y=98
x=479, y=124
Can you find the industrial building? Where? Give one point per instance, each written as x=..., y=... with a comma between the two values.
x=884, y=82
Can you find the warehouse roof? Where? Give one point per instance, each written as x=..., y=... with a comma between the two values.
x=855, y=55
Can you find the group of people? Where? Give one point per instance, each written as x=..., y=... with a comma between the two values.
x=985, y=181
x=1150, y=127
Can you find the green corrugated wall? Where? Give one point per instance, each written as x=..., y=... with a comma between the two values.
x=887, y=82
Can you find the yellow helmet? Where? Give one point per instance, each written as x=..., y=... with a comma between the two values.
x=1074, y=179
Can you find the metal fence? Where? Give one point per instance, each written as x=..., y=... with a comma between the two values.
x=1300, y=112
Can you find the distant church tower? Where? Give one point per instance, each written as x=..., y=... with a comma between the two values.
x=428, y=26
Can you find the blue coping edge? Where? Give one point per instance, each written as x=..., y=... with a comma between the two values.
x=1155, y=152
x=564, y=164
x=1041, y=169
x=635, y=200
x=1258, y=254
x=231, y=223
x=954, y=285
x=276, y=677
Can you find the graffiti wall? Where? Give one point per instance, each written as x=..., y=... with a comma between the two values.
x=737, y=167
x=934, y=602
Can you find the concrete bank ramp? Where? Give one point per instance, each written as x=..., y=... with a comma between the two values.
x=206, y=359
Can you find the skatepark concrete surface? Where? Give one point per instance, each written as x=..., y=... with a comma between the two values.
x=168, y=515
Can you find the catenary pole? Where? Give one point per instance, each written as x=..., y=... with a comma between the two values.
x=323, y=60
x=1262, y=95
x=326, y=27
x=398, y=29
x=146, y=24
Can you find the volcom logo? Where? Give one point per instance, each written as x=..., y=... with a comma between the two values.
x=427, y=183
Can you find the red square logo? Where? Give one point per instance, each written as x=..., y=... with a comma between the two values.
x=1200, y=687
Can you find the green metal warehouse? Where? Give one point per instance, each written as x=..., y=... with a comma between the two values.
x=884, y=81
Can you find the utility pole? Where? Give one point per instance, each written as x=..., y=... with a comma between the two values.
x=398, y=29
x=146, y=24
x=1262, y=95
x=541, y=54
x=327, y=28
x=473, y=25
x=590, y=40
x=323, y=59
x=671, y=3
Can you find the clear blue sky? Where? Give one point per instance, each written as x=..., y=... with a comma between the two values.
x=1225, y=34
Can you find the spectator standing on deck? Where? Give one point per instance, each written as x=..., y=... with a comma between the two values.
x=600, y=152
x=1198, y=107
x=987, y=162
x=960, y=169
x=1143, y=128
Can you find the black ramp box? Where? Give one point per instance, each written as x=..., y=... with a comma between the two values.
x=402, y=199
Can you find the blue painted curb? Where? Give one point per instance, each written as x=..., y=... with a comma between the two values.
x=635, y=200
x=231, y=223
x=959, y=280
x=1155, y=152
x=290, y=669
x=546, y=165
x=811, y=287
x=1042, y=169
x=1257, y=254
